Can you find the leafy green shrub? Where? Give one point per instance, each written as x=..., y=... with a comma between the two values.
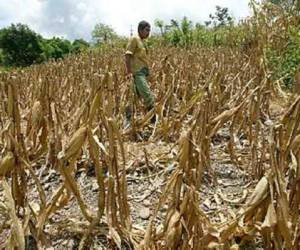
x=56, y=48
x=1, y=57
x=20, y=45
x=79, y=45
x=284, y=62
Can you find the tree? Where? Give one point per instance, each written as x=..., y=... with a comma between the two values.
x=79, y=45
x=160, y=24
x=180, y=33
x=186, y=26
x=56, y=47
x=103, y=33
x=20, y=45
x=174, y=23
x=221, y=17
x=1, y=57
x=288, y=5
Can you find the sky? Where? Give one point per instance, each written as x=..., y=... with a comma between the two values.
x=73, y=19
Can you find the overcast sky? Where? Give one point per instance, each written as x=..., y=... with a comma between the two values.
x=73, y=19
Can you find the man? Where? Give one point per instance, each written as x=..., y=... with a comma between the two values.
x=137, y=67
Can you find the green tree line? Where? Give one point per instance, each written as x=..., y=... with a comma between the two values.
x=21, y=46
x=271, y=33
x=217, y=31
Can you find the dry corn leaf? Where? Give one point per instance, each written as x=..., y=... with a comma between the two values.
x=271, y=218
x=259, y=194
x=75, y=144
x=95, y=106
x=7, y=164
x=72, y=186
x=36, y=115
x=18, y=237
x=174, y=230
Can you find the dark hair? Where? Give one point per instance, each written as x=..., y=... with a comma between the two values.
x=142, y=25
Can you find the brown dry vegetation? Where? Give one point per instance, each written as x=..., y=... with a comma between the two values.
x=216, y=112
x=218, y=170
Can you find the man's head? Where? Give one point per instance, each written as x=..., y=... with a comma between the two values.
x=144, y=29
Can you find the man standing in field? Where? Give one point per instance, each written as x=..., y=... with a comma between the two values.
x=137, y=68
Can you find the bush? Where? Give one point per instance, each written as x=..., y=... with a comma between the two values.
x=56, y=48
x=20, y=45
x=285, y=62
x=79, y=45
x=1, y=57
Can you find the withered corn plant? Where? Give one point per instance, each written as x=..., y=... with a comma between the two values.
x=60, y=116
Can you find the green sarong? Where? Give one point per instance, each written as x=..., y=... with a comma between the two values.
x=141, y=88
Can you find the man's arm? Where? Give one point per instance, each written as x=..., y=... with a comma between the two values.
x=128, y=59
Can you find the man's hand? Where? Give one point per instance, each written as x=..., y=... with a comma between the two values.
x=129, y=76
x=128, y=59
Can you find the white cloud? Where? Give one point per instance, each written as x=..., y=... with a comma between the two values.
x=76, y=19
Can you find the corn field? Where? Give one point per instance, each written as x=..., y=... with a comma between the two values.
x=218, y=170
